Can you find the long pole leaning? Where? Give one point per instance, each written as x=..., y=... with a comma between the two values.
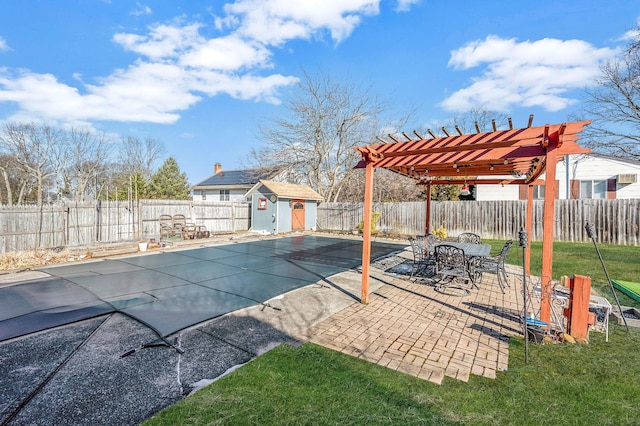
x=591, y=233
x=523, y=240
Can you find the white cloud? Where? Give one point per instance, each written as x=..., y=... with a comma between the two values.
x=538, y=73
x=141, y=9
x=46, y=98
x=3, y=45
x=632, y=34
x=405, y=5
x=276, y=21
x=245, y=87
x=163, y=41
x=145, y=92
x=178, y=65
x=226, y=53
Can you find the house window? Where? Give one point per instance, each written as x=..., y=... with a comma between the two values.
x=596, y=189
x=224, y=195
x=538, y=192
x=262, y=203
x=204, y=195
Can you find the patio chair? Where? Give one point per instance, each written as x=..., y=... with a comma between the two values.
x=495, y=265
x=469, y=237
x=429, y=243
x=419, y=256
x=451, y=263
x=186, y=229
x=167, y=229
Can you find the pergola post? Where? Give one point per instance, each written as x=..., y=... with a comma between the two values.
x=529, y=228
x=366, y=231
x=548, y=229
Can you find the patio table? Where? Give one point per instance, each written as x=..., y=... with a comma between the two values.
x=473, y=254
x=471, y=250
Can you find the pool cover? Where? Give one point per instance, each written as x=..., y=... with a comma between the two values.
x=171, y=291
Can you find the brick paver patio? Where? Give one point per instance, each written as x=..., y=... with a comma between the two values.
x=412, y=328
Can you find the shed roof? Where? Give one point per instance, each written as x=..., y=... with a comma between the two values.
x=291, y=190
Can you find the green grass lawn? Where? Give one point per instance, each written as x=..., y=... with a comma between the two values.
x=595, y=384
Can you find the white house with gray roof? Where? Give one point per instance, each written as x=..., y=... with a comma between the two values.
x=583, y=176
x=230, y=185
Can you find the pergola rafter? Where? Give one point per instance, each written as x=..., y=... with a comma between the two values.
x=506, y=157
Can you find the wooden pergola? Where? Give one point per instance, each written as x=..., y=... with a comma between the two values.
x=500, y=157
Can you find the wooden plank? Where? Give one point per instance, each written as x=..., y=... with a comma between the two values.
x=580, y=295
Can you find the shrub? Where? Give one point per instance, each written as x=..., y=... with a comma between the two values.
x=440, y=232
x=375, y=217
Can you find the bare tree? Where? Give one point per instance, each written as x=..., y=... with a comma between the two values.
x=85, y=160
x=135, y=155
x=36, y=151
x=16, y=184
x=387, y=187
x=614, y=105
x=314, y=142
x=137, y=161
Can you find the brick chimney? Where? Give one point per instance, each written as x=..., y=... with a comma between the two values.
x=217, y=168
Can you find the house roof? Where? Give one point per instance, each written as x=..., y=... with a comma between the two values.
x=243, y=178
x=291, y=190
x=629, y=161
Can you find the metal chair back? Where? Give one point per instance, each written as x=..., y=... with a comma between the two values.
x=417, y=248
x=451, y=261
x=496, y=265
x=469, y=237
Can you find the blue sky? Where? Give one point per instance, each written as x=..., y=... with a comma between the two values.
x=201, y=76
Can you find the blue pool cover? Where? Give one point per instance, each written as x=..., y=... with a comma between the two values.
x=171, y=291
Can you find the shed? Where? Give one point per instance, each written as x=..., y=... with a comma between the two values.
x=283, y=207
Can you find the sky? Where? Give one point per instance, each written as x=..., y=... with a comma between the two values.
x=202, y=77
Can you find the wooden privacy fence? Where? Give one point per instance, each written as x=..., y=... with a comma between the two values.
x=84, y=224
x=615, y=221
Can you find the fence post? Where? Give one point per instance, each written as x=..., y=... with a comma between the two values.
x=140, y=222
x=233, y=217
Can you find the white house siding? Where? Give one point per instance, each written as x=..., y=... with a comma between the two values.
x=580, y=168
x=236, y=195
x=496, y=192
